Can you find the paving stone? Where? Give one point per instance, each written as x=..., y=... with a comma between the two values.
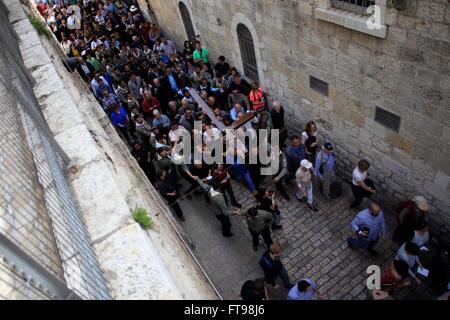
x=314, y=243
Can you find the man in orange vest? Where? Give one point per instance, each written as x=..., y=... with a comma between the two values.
x=256, y=97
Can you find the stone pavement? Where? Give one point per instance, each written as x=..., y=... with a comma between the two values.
x=314, y=246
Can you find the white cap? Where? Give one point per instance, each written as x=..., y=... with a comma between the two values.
x=133, y=9
x=155, y=112
x=306, y=164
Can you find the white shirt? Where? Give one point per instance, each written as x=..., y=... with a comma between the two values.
x=357, y=176
x=95, y=44
x=211, y=135
x=71, y=21
x=409, y=259
x=421, y=239
x=175, y=135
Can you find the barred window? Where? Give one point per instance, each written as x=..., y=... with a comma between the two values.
x=247, y=52
x=187, y=22
x=356, y=6
x=387, y=119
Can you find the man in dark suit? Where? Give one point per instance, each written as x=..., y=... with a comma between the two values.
x=170, y=83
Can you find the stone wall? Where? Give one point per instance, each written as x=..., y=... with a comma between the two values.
x=408, y=74
x=153, y=264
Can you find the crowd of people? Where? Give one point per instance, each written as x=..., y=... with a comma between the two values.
x=143, y=82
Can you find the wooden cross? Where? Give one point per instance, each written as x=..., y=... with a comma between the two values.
x=219, y=124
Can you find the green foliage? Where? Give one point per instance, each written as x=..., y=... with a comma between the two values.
x=141, y=216
x=40, y=26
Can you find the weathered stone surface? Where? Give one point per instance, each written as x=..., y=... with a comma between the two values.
x=136, y=263
x=133, y=266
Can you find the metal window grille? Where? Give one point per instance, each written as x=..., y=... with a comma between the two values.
x=318, y=85
x=356, y=6
x=247, y=52
x=387, y=119
x=45, y=250
x=186, y=17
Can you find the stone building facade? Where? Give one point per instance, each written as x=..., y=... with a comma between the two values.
x=377, y=93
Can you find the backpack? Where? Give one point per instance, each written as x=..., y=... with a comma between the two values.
x=247, y=288
x=335, y=190
x=264, y=262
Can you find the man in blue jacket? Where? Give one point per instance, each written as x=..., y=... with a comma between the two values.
x=295, y=153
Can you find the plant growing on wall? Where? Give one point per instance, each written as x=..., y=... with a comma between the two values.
x=141, y=216
x=40, y=27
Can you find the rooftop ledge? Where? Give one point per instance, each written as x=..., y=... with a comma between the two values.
x=350, y=20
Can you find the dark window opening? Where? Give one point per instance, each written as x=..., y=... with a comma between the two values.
x=387, y=119
x=356, y=6
x=247, y=52
x=318, y=85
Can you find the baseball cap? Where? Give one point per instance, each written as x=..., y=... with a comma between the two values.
x=133, y=8
x=328, y=146
x=306, y=164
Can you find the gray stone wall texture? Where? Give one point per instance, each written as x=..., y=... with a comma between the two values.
x=407, y=73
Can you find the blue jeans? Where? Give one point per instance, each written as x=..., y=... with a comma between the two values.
x=362, y=243
x=249, y=182
x=239, y=173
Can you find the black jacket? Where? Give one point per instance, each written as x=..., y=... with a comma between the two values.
x=165, y=82
x=278, y=118
x=272, y=268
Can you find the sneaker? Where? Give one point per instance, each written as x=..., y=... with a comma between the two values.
x=227, y=235
x=277, y=227
x=182, y=218
x=372, y=252
x=313, y=208
x=301, y=200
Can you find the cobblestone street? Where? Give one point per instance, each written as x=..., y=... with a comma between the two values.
x=314, y=246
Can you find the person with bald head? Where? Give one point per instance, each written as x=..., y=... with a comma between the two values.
x=369, y=226
x=160, y=93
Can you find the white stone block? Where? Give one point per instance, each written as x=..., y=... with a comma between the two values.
x=78, y=145
x=134, y=268
x=95, y=181
x=442, y=180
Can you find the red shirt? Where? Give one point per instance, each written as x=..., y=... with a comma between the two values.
x=42, y=8
x=149, y=105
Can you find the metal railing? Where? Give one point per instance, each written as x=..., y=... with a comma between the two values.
x=356, y=6
x=45, y=249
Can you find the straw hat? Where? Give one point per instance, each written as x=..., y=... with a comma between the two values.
x=421, y=203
